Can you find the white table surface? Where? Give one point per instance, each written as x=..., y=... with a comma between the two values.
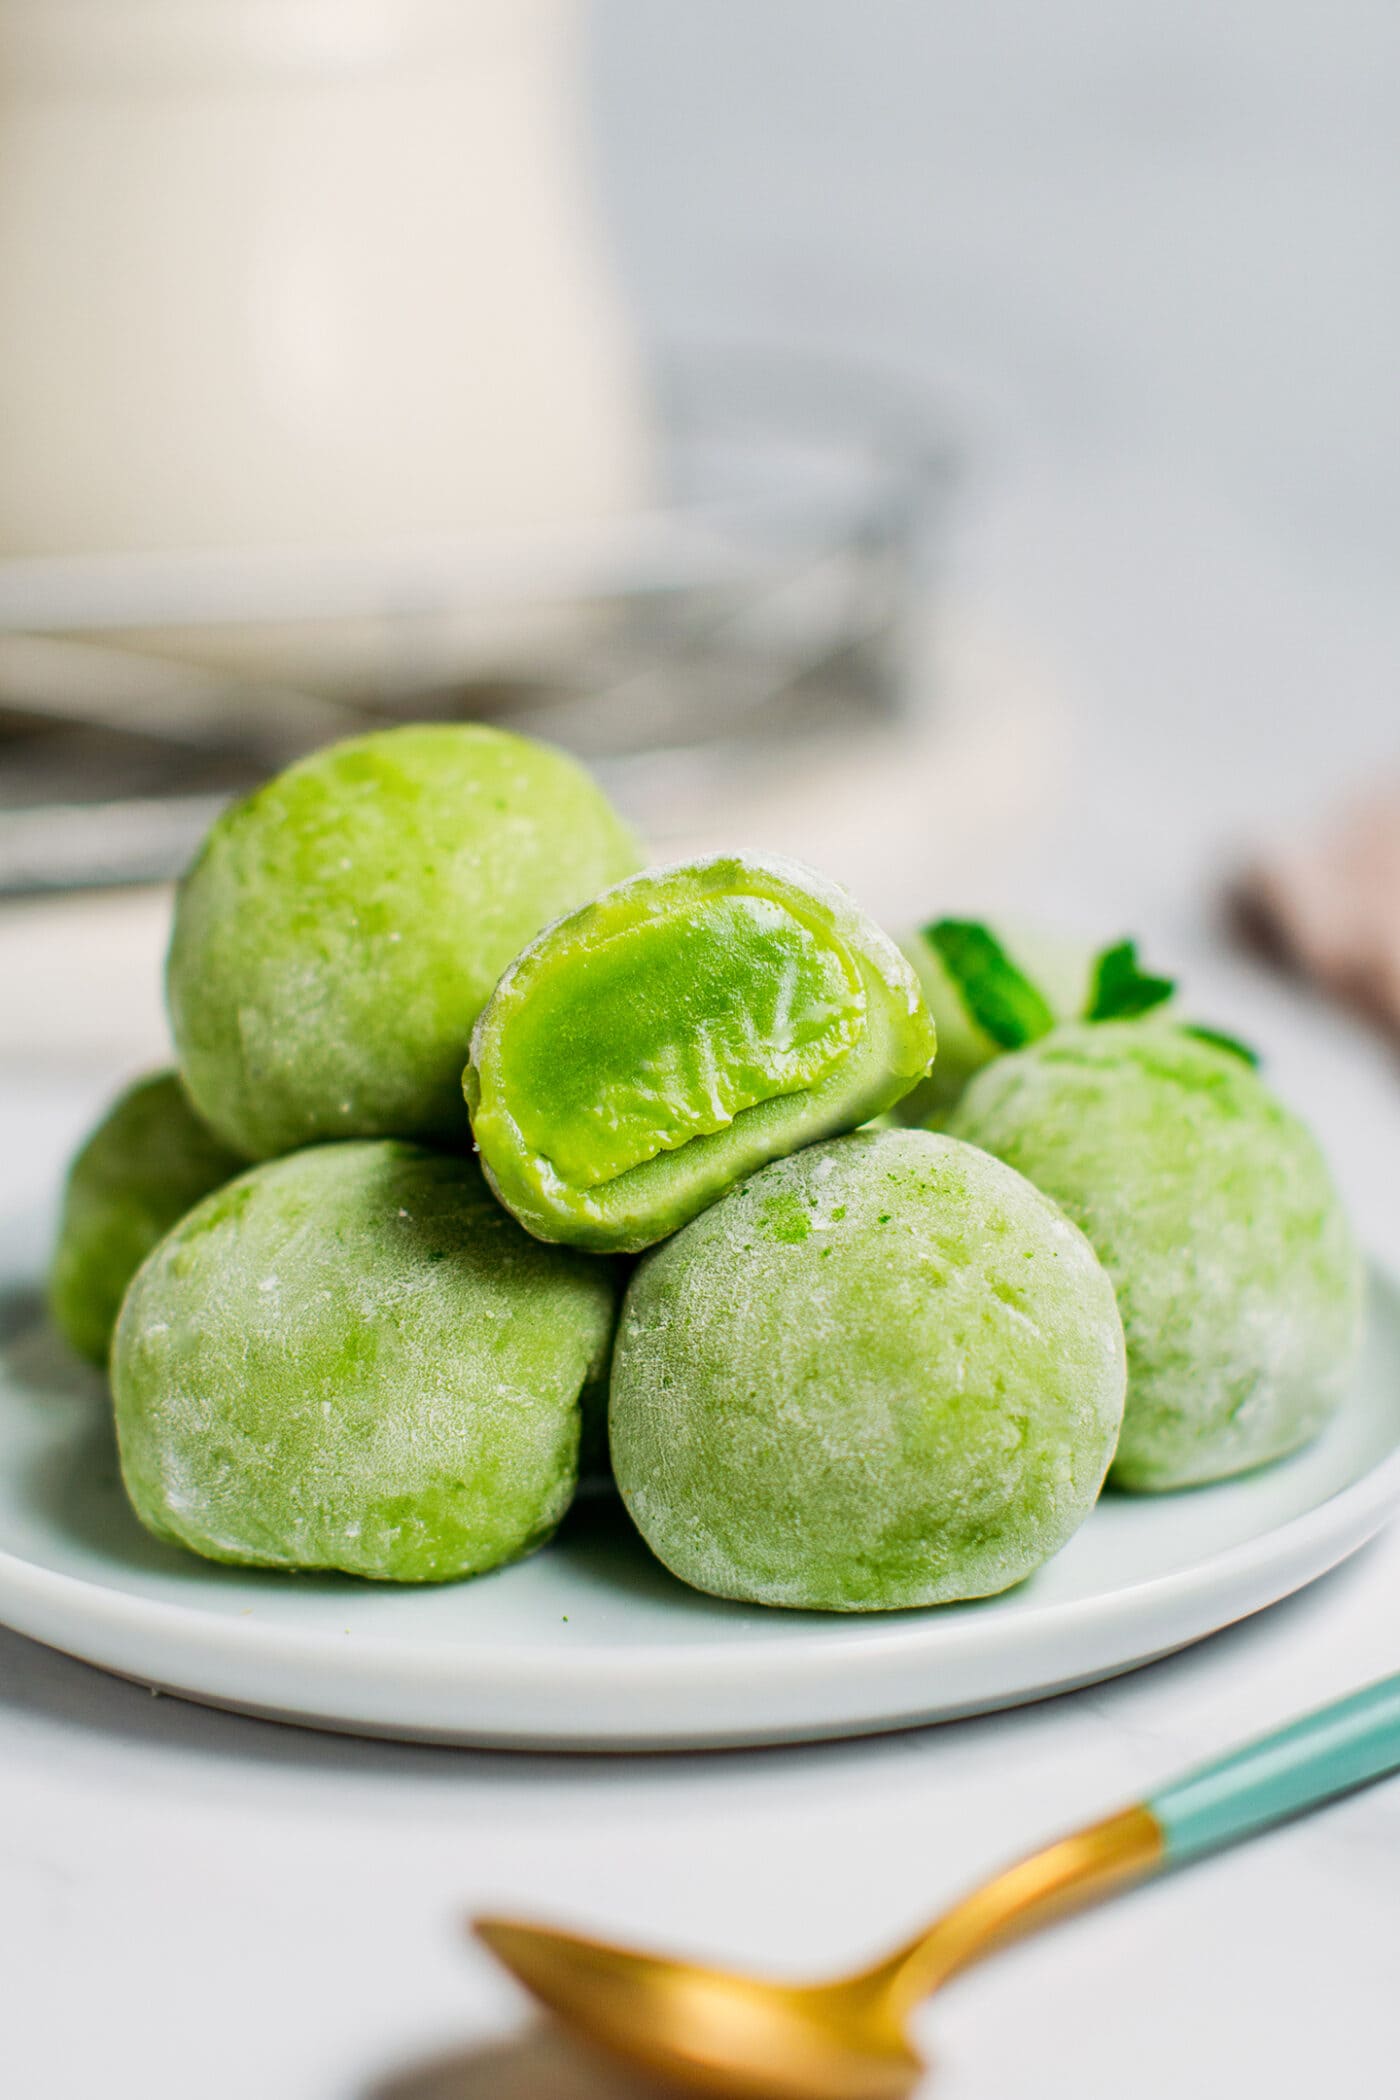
x=1145, y=250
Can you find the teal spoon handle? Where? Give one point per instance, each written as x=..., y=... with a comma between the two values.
x=1309, y=1762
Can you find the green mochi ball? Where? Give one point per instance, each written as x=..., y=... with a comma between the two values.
x=1213, y=1210
x=1059, y=967
x=352, y=1358
x=646, y=1051
x=341, y=929
x=884, y=1372
x=148, y=1161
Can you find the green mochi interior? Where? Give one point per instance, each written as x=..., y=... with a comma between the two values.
x=672, y=1027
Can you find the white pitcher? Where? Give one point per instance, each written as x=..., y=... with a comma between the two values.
x=301, y=271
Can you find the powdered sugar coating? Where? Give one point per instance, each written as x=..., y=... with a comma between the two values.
x=342, y=928
x=352, y=1358
x=1213, y=1210
x=147, y=1162
x=885, y=1371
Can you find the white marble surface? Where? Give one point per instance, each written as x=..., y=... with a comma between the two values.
x=1150, y=252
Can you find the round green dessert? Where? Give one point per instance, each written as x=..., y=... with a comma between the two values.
x=1213, y=1210
x=647, y=1051
x=884, y=1372
x=341, y=929
x=1060, y=969
x=351, y=1358
x=148, y=1161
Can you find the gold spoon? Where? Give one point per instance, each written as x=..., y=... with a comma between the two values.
x=711, y=2031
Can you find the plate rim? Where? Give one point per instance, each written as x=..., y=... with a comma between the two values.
x=1374, y=1495
x=1316, y=1539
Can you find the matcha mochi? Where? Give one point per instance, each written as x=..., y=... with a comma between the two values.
x=1214, y=1212
x=1059, y=969
x=688, y=1025
x=148, y=1161
x=885, y=1371
x=341, y=929
x=352, y=1358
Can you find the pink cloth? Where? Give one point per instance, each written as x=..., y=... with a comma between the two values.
x=1331, y=907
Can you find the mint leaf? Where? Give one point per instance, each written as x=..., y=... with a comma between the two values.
x=1218, y=1040
x=1121, y=991
x=999, y=997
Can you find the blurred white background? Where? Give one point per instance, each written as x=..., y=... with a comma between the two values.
x=1151, y=256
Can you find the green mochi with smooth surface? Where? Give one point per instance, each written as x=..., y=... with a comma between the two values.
x=883, y=1372
x=148, y=1161
x=341, y=929
x=688, y=1025
x=352, y=1358
x=1213, y=1210
x=1060, y=967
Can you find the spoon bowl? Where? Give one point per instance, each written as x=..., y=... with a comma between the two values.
x=710, y=2031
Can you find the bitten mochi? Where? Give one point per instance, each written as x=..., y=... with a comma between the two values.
x=1212, y=1208
x=649, y=1049
x=885, y=1371
x=341, y=929
x=352, y=1358
x=149, y=1160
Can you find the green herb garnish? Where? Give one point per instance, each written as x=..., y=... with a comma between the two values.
x=1218, y=1040
x=1121, y=991
x=1000, y=998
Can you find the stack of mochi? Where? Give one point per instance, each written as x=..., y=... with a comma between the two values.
x=363, y=1267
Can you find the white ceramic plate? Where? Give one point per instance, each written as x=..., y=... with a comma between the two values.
x=591, y=1645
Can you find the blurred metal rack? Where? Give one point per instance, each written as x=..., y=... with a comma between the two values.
x=765, y=602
